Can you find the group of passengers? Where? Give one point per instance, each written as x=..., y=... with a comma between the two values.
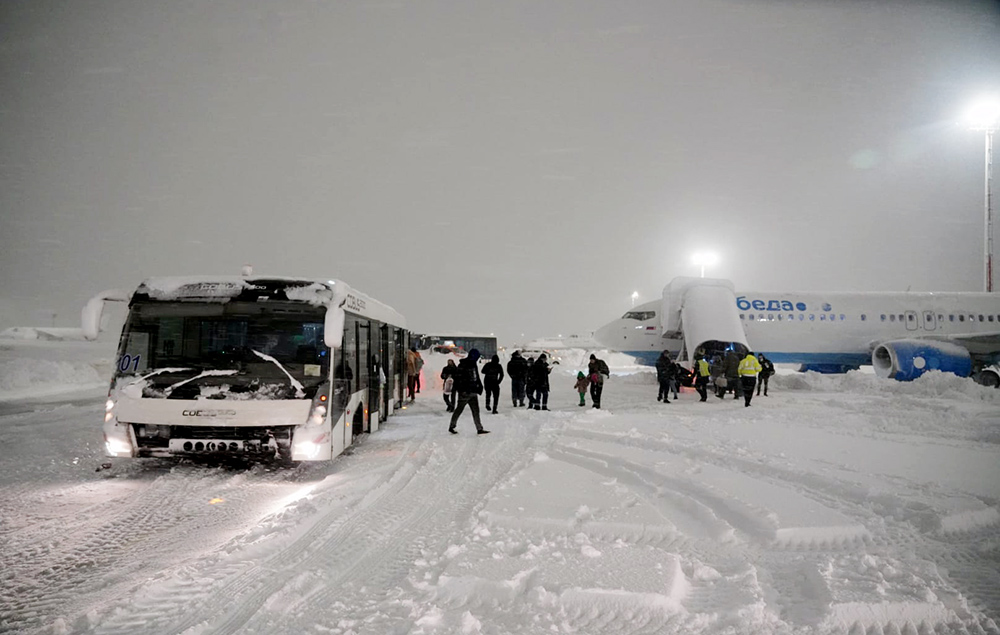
x=529, y=378
x=729, y=373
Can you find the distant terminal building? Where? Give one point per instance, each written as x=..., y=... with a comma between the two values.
x=458, y=342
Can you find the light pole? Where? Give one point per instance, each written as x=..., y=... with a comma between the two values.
x=635, y=296
x=985, y=117
x=703, y=259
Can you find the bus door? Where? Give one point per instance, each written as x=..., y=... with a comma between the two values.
x=385, y=356
x=400, y=369
x=363, y=364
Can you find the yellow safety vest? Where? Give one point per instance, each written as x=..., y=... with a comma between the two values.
x=703, y=369
x=749, y=367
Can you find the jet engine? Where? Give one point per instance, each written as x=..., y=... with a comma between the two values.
x=906, y=360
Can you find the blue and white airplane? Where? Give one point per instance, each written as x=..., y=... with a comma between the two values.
x=902, y=335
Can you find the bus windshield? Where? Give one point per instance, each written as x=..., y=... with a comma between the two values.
x=234, y=350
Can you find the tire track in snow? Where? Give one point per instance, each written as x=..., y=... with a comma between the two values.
x=391, y=505
x=440, y=499
x=187, y=600
x=48, y=574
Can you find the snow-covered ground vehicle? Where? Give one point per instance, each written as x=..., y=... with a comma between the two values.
x=249, y=366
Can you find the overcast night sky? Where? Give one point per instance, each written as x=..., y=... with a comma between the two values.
x=507, y=167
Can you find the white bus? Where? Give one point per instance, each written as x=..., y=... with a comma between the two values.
x=255, y=367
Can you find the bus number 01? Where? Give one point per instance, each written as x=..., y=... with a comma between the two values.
x=128, y=360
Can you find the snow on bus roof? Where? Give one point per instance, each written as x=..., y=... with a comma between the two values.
x=313, y=291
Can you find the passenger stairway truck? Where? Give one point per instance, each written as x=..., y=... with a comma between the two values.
x=257, y=367
x=703, y=312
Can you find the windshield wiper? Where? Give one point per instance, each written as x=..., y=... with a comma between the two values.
x=300, y=390
x=208, y=373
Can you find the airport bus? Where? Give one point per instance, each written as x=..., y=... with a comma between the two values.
x=257, y=367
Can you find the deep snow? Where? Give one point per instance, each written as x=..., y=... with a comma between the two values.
x=843, y=504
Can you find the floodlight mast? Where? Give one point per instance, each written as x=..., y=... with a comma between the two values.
x=985, y=117
x=988, y=241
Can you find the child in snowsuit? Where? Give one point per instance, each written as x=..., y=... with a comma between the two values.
x=581, y=385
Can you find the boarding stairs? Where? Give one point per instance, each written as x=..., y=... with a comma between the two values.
x=703, y=311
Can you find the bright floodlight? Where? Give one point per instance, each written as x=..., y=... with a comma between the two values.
x=635, y=296
x=984, y=114
x=704, y=259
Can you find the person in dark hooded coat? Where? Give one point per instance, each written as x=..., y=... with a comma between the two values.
x=469, y=387
x=666, y=372
x=540, y=381
x=517, y=370
x=492, y=376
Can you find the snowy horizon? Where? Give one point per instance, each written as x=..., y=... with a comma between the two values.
x=835, y=505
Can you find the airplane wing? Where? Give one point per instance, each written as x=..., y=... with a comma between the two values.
x=975, y=343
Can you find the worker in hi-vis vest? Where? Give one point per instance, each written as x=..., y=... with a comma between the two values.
x=749, y=367
x=702, y=373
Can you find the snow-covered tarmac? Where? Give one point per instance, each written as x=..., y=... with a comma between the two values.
x=836, y=505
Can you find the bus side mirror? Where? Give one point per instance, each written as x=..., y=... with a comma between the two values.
x=333, y=327
x=90, y=319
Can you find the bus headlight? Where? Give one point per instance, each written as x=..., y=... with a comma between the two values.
x=320, y=406
x=318, y=415
x=117, y=447
x=109, y=410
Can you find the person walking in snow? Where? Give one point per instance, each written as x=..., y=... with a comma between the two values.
x=411, y=373
x=731, y=369
x=766, y=370
x=448, y=375
x=748, y=369
x=666, y=372
x=517, y=370
x=581, y=385
x=540, y=381
x=529, y=382
x=702, y=371
x=418, y=364
x=469, y=387
x=492, y=376
x=597, y=369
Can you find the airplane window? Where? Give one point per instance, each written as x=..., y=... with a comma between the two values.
x=980, y=318
x=791, y=316
x=781, y=317
x=961, y=318
x=910, y=317
x=989, y=317
x=900, y=318
x=743, y=316
x=940, y=318
x=892, y=318
x=883, y=317
x=863, y=317
x=812, y=317
x=951, y=318
x=770, y=317
x=842, y=317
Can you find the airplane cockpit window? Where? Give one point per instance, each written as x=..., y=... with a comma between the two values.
x=642, y=316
